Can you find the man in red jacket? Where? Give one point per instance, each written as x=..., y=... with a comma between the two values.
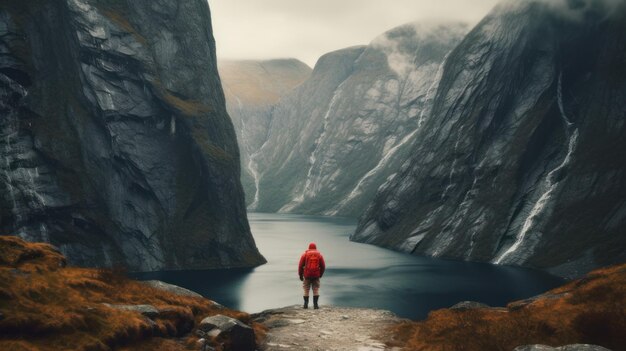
x=310, y=269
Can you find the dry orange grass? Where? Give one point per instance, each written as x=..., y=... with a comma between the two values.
x=590, y=310
x=186, y=107
x=47, y=306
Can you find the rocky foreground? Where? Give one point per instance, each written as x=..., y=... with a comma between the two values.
x=591, y=310
x=45, y=305
x=588, y=314
x=329, y=328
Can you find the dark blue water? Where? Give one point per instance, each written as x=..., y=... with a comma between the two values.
x=358, y=275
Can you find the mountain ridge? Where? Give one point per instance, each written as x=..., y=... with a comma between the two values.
x=253, y=88
x=343, y=117
x=508, y=126
x=118, y=148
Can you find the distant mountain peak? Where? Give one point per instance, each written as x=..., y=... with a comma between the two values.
x=261, y=82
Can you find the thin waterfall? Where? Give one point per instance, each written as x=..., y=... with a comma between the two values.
x=550, y=182
x=251, y=165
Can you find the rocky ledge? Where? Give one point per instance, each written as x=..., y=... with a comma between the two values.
x=329, y=328
x=45, y=305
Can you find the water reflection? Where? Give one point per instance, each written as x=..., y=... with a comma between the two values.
x=222, y=285
x=357, y=275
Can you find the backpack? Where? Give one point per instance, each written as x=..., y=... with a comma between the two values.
x=312, y=265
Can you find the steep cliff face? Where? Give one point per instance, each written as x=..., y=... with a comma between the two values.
x=340, y=134
x=116, y=144
x=252, y=89
x=522, y=160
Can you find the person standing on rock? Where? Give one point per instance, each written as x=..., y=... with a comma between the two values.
x=310, y=269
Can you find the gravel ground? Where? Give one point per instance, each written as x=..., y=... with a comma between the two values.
x=329, y=328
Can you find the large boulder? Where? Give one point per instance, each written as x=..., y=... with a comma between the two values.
x=171, y=288
x=241, y=336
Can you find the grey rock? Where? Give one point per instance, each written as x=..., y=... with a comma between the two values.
x=252, y=89
x=218, y=306
x=573, y=347
x=214, y=333
x=467, y=305
x=333, y=140
x=201, y=343
x=510, y=167
x=174, y=289
x=117, y=147
x=240, y=335
x=146, y=310
x=278, y=323
x=217, y=322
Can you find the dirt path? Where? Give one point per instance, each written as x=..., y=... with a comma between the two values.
x=329, y=328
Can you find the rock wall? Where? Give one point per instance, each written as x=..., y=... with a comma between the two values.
x=116, y=144
x=522, y=160
x=252, y=89
x=340, y=134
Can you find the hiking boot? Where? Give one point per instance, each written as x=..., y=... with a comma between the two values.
x=315, y=305
x=306, y=302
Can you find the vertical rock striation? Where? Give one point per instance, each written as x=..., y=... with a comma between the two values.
x=115, y=139
x=345, y=130
x=522, y=159
x=252, y=89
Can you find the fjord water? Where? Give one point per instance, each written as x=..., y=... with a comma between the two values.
x=357, y=274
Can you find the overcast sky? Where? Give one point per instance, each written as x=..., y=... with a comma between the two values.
x=307, y=29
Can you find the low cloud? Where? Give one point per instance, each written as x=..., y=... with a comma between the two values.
x=584, y=10
x=401, y=43
x=253, y=29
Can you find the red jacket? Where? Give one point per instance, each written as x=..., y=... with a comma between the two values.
x=307, y=272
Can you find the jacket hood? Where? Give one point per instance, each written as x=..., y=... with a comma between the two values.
x=312, y=246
